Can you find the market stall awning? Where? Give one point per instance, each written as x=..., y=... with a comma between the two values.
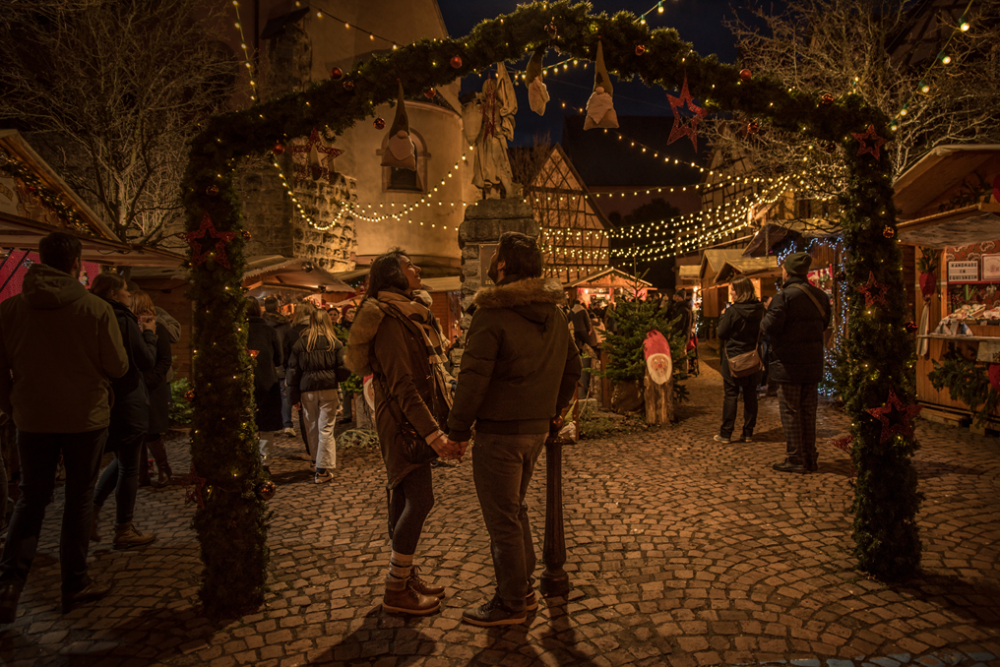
x=713, y=260
x=687, y=275
x=281, y=272
x=447, y=284
x=943, y=169
x=609, y=277
x=746, y=266
x=775, y=233
x=962, y=226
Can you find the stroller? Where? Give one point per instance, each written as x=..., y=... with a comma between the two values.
x=692, y=356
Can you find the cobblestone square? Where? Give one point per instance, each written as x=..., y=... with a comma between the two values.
x=681, y=551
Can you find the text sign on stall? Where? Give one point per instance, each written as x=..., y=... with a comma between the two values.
x=963, y=272
x=991, y=268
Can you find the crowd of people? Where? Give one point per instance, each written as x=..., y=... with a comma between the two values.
x=521, y=366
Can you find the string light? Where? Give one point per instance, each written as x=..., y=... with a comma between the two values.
x=372, y=36
x=246, y=52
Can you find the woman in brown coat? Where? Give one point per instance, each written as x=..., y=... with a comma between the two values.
x=396, y=339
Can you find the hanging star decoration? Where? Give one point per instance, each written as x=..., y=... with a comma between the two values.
x=193, y=494
x=683, y=126
x=874, y=291
x=895, y=417
x=876, y=140
x=209, y=243
x=253, y=353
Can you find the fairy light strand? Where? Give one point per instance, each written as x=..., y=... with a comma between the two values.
x=246, y=51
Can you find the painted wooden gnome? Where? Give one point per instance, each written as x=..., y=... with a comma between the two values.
x=400, y=152
x=600, y=107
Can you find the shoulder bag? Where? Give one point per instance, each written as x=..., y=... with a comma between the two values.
x=827, y=333
x=746, y=364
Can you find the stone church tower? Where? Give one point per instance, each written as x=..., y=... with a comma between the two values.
x=419, y=211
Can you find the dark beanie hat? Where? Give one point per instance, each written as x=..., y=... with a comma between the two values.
x=682, y=293
x=797, y=264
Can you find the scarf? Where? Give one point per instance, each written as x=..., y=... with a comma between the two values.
x=430, y=329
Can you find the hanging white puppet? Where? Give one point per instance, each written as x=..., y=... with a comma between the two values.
x=538, y=92
x=400, y=152
x=600, y=106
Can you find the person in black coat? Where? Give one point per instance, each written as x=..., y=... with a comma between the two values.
x=267, y=390
x=159, y=395
x=282, y=326
x=315, y=371
x=129, y=415
x=299, y=323
x=795, y=321
x=739, y=331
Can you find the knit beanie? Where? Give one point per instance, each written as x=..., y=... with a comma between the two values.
x=797, y=264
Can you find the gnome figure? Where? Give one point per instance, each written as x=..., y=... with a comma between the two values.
x=538, y=92
x=600, y=108
x=658, y=360
x=400, y=152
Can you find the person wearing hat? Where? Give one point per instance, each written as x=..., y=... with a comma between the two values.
x=795, y=320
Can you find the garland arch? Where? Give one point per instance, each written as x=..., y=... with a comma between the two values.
x=231, y=519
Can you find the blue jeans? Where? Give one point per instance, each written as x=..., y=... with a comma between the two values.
x=39, y=454
x=122, y=475
x=501, y=467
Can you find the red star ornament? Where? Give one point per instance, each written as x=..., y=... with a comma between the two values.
x=200, y=250
x=876, y=140
x=873, y=290
x=895, y=417
x=683, y=126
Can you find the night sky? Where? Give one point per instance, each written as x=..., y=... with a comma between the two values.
x=697, y=21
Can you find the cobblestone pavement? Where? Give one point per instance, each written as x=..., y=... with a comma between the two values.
x=682, y=551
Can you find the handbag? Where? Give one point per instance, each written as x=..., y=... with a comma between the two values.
x=746, y=364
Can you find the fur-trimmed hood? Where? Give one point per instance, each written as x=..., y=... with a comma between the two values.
x=521, y=293
x=366, y=322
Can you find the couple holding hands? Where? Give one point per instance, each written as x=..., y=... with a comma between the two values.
x=518, y=373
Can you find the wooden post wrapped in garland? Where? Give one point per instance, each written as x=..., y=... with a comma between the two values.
x=231, y=526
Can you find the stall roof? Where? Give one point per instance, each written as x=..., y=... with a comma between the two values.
x=962, y=226
x=610, y=274
x=279, y=271
x=774, y=233
x=100, y=245
x=715, y=259
x=688, y=273
x=447, y=284
x=942, y=169
x=746, y=266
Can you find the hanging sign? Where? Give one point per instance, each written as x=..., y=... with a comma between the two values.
x=991, y=268
x=963, y=272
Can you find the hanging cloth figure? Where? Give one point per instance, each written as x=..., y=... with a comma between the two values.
x=491, y=169
x=600, y=107
x=400, y=152
x=538, y=92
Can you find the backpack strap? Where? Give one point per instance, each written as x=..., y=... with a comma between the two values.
x=808, y=293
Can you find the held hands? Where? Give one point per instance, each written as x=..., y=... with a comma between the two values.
x=447, y=449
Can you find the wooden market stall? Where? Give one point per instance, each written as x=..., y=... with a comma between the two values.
x=605, y=286
x=949, y=205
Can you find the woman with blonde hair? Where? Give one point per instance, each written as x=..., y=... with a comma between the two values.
x=299, y=323
x=315, y=371
x=739, y=333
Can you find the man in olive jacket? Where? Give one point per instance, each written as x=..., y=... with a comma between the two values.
x=59, y=348
x=796, y=319
x=518, y=374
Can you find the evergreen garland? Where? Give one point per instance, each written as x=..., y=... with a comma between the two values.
x=967, y=381
x=231, y=527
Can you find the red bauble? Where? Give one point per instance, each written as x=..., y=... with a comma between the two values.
x=379, y=124
x=212, y=190
x=911, y=327
x=189, y=395
x=640, y=49
x=829, y=148
x=430, y=93
x=245, y=234
x=827, y=100
x=348, y=85
x=745, y=74
x=336, y=73
x=456, y=61
x=888, y=232
x=278, y=148
x=753, y=127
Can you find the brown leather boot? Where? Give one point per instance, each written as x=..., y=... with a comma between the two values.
x=159, y=452
x=422, y=587
x=408, y=601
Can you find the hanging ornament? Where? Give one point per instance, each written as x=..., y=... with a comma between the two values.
x=873, y=290
x=994, y=374
x=683, y=126
x=888, y=232
x=538, y=92
x=278, y=148
x=336, y=74
x=753, y=127
x=830, y=148
x=827, y=99
x=189, y=395
x=212, y=190
x=876, y=140
x=928, y=266
x=911, y=327
x=552, y=30
x=253, y=353
x=204, y=238
x=379, y=123
x=245, y=234
x=895, y=417
x=600, y=106
x=400, y=152
x=639, y=49
x=456, y=62
x=348, y=85
x=745, y=75
x=430, y=93
x=265, y=490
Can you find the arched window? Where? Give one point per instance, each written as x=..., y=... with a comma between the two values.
x=404, y=180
